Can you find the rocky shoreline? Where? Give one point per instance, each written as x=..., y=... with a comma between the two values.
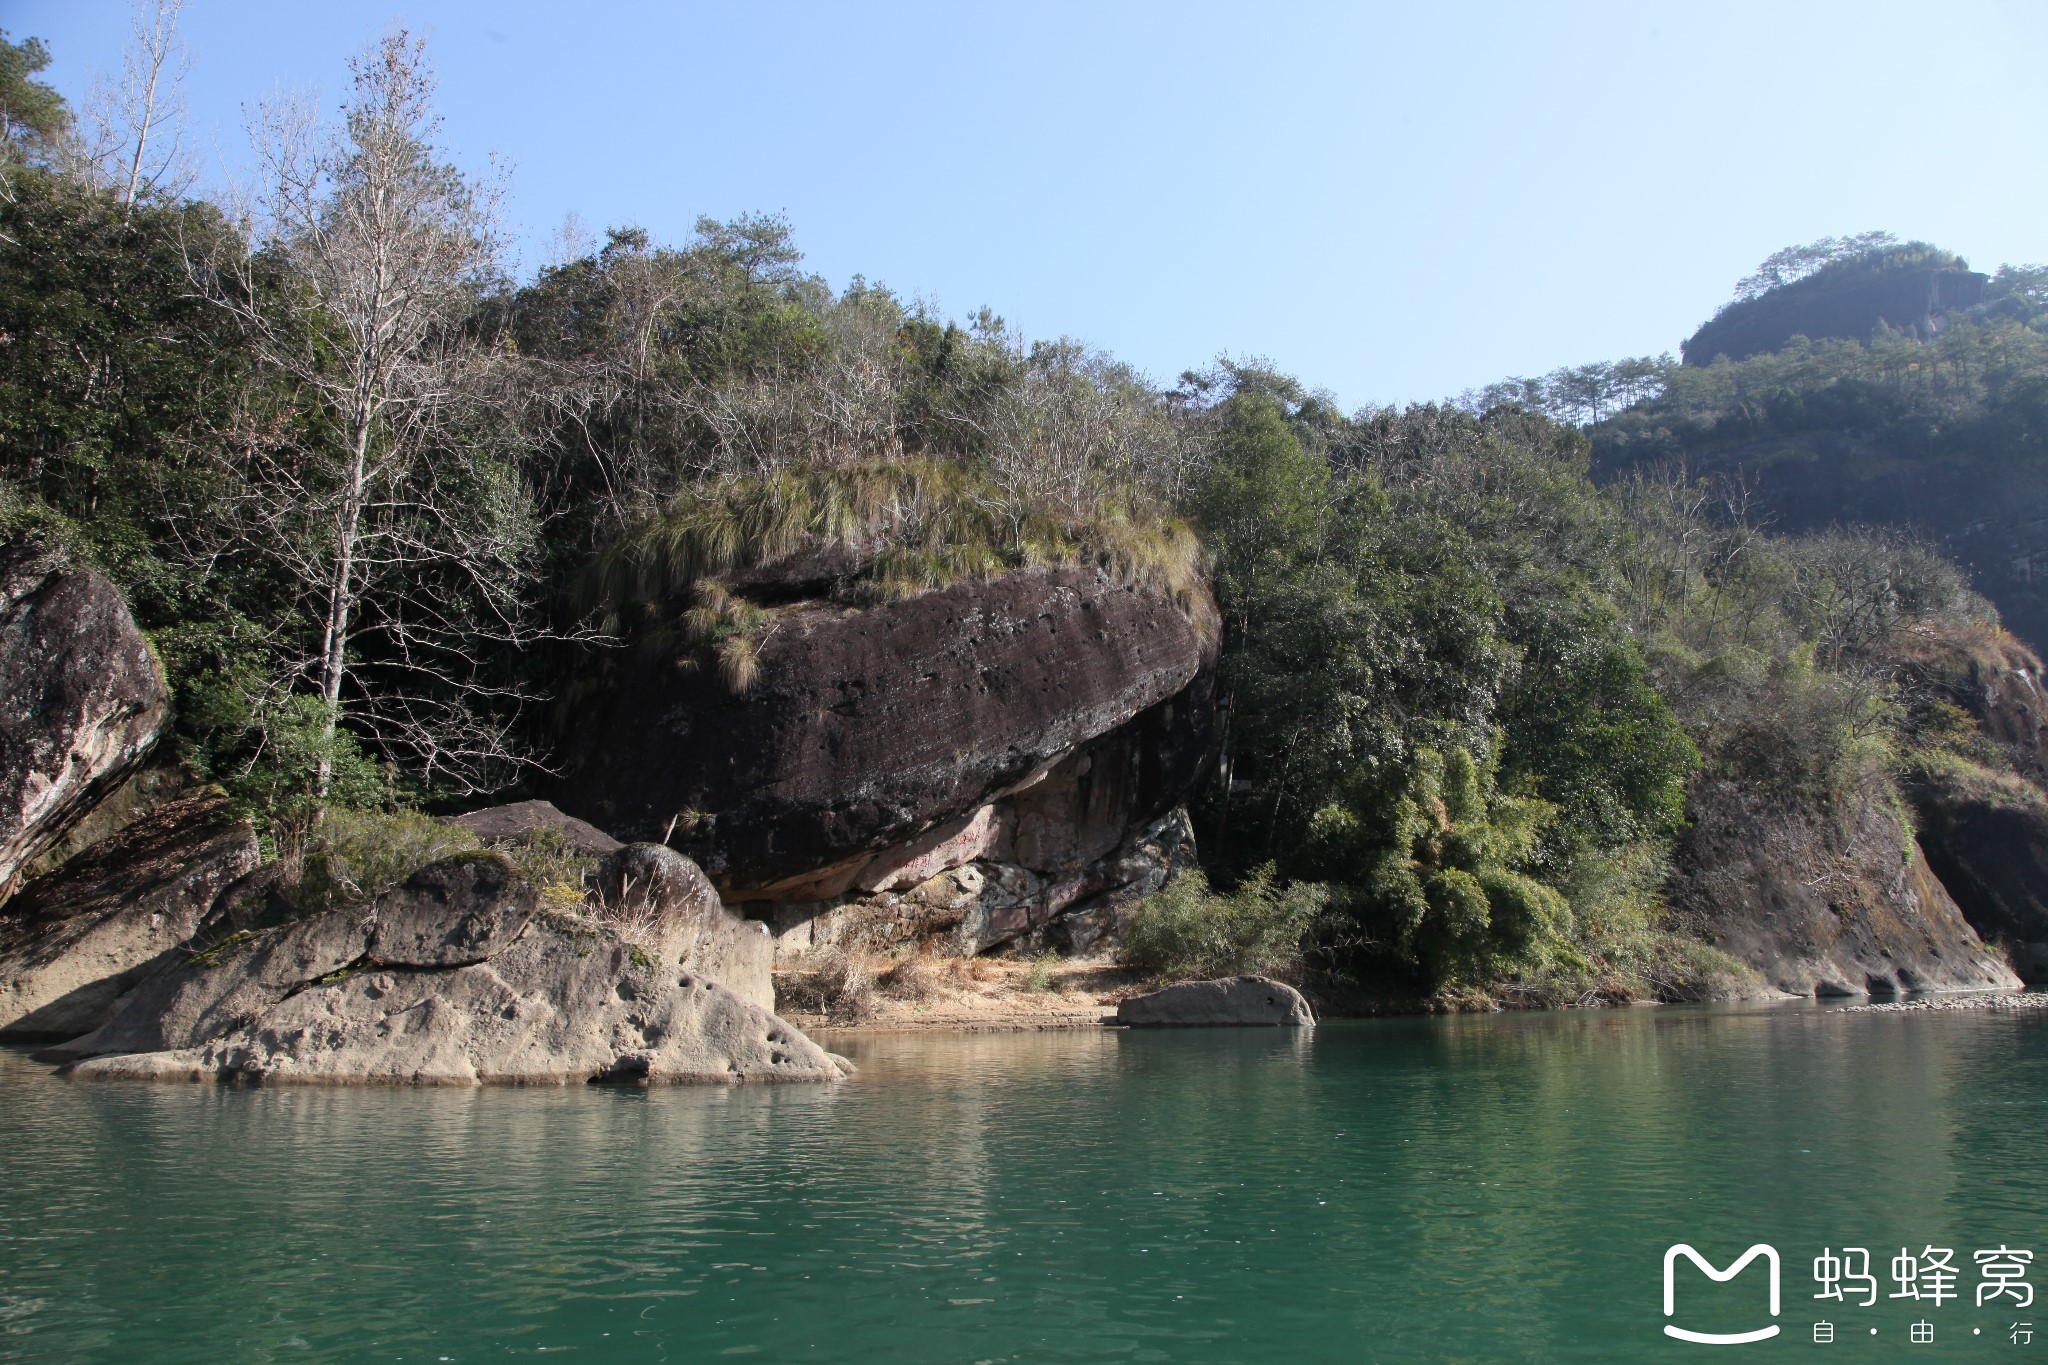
x=971, y=877
x=2004, y=1001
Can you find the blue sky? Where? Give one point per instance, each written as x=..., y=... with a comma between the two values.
x=1393, y=202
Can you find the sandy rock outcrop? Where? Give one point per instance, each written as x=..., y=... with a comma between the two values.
x=458, y=976
x=1824, y=902
x=666, y=901
x=82, y=699
x=74, y=941
x=1234, y=1000
x=868, y=728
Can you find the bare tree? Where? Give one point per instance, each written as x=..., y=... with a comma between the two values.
x=386, y=501
x=134, y=137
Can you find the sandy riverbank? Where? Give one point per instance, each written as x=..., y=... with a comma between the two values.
x=976, y=995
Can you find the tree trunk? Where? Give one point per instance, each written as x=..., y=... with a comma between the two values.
x=341, y=600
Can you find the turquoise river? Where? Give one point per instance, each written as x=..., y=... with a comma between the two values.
x=1467, y=1189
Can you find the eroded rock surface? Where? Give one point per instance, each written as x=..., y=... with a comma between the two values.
x=81, y=698
x=1983, y=814
x=74, y=941
x=1824, y=902
x=1995, y=678
x=458, y=976
x=1234, y=1000
x=990, y=901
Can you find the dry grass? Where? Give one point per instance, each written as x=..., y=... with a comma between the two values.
x=834, y=983
x=635, y=923
x=914, y=525
x=915, y=979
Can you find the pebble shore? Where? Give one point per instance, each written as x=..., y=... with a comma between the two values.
x=2032, y=1000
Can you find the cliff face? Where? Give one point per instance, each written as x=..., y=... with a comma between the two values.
x=81, y=699
x=1987, y=839
x=1910, y=300
x=1985, y=825
x=1824, y=902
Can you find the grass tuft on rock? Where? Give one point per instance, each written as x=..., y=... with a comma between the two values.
x=900, y=527
x=351, y=856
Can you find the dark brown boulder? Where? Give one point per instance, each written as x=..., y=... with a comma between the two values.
x=76, y=940
x=1820, y=901
x=521, y=821
x=454, y=913
x=867, y=727
x=82, y=699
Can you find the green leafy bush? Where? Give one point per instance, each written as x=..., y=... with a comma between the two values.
x=1188, y=931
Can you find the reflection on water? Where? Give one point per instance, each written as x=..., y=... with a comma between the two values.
x=1474, y=1188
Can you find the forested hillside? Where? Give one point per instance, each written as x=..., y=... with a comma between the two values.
x=1945, y=432
x=381, y=536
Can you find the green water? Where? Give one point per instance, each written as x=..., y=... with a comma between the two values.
x=1468, y=1189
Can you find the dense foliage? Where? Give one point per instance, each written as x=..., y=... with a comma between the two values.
x=1979, y=389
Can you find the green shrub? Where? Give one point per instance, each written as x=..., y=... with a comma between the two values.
x=1039, y=976
x=1188, y=931
x=545, y=858
x=352, y=855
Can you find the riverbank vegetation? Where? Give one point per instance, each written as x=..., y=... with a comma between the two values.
x=1465, y=686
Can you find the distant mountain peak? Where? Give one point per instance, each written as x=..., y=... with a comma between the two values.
x=1839, y=287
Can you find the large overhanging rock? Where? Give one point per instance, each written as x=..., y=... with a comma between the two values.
x=81, y=698
x=988, y=901
x=868, y=728
x=78, y=939
x=457, y=977
x=1986, y=836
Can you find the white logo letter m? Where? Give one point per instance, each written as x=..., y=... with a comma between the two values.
x=1671, y=1256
